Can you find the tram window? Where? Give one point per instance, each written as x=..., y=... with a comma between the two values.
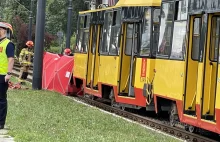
x=82, y=43
x=107, y=33
x=156, y=27
x=79, y=42
x=156, y=15
x=178, y=45
x=82, y=18
x=164, y=46
x=196, y=38
x=80, y=34
x=115, y=34
x=179, y=31
x=116, y=18
x=87, y=21
x=145, y=41
x=94, y=38
x=181, y=10
x=214, y=47
x=131, y=30
x=85, y=43
x=129, y=34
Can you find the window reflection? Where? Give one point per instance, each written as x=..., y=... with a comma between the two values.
x=94, y=38
x=215, y=39
x=85, y=44
x=129, y=34
x=165, y=29
x=107, y=33
x=182, y=10
x=179, y=34
x=115, y=34
x=156, y=27
x=145, y=40
x=83, y=34
x=196, y=38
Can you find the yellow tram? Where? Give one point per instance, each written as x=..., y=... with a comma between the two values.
x=153, y=54
x=109, y=67
x=186, y=69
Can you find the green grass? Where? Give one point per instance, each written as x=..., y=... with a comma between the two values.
x=43, y=116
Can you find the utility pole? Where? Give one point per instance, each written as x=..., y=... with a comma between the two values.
x=68, y=33
x=30, y=21
x=39, y=45
x=60, y=37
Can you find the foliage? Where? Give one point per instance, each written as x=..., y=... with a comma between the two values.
x=21, y=28
x=19, y=8
x=17, y=13
x=57, y=15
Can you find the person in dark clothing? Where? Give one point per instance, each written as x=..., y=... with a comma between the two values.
x=6, y=65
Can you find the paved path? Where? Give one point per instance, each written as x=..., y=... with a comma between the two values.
x=4, y=137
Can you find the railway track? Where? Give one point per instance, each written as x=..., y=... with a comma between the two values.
x=16, y=70
x=147, y=121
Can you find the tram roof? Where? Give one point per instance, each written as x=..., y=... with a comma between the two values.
x=207, y=6
x=90, y=11
x=97, y=10
x=127, y=3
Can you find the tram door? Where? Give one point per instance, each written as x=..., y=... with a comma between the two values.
x=93, y=58
x=192, y=65
x=128, y=59
x=210, y=63
x=201, y=69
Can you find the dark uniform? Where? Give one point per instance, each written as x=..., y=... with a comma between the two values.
x=4, y=86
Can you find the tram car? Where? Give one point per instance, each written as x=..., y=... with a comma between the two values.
x=186, y=67
x=108, y=68
x=162, y=56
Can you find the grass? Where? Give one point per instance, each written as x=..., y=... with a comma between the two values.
x=43, y=116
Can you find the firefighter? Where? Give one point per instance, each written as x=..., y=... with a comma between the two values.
x=7, y=50
x=25, y=60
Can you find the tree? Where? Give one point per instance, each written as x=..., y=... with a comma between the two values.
x=57, y=15
x=21, y=28
x=17, y=13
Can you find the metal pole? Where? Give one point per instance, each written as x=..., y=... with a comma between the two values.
x=68, y=33
x=39, y=45
x=30, y=21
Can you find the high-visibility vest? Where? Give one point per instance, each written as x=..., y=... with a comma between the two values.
x=3, y=57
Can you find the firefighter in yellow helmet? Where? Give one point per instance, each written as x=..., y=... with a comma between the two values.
x=25, y=60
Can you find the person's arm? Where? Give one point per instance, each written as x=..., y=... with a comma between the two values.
x=10, y=64
x=10, y=50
